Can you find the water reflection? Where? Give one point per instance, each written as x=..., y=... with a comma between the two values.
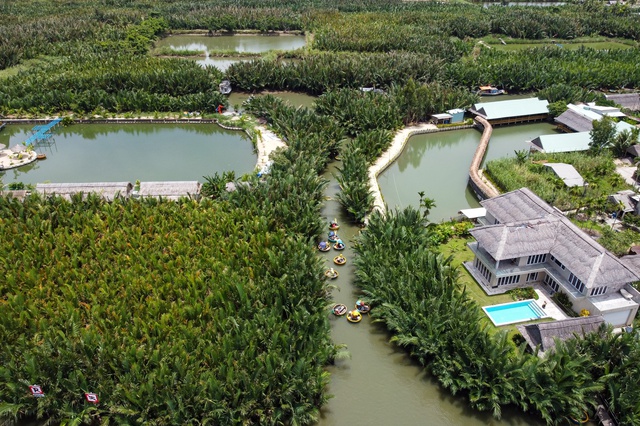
x=438, y=164
x=126, y=152
x=241, y=43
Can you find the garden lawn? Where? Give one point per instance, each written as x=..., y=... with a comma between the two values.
x=510, y=174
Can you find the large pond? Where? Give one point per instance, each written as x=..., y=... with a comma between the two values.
x=438, y=164
x=127, y=152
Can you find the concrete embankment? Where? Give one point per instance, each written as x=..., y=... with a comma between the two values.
x=483, y=188
x=397, y=145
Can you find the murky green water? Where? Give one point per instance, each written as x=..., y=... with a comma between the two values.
x=294, y=99
x=127, y=152
x=380, y=384
x=241, y=43
x=438, y=164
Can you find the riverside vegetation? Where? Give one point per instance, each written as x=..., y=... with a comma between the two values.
x=66, y=309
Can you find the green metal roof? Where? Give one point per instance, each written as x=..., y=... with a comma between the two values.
x=514, y=108
x=565, y=142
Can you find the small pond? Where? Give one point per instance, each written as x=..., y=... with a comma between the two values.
x=292, y=98
x=127, y=152
x=241, y=43
x=438, y=164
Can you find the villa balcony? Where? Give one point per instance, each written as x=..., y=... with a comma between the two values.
x=507, y=269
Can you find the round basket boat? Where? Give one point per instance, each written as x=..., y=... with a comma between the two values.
x=333, y=238
x=339, y=309
x=338, y=246
x=324, y=246
x=354, y=316
x=362, y=307
x=334, y=225
x=41, y=156
x=340, y=260
x=332, y=274
x=585, y=420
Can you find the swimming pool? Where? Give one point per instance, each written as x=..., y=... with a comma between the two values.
x=509, y=313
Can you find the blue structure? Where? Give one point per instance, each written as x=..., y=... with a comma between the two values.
x=41, y=132
x=457, y=115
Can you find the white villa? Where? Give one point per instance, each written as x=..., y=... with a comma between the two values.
x=524, y=241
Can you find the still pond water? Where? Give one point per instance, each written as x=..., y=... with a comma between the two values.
x=237, y=43
x=438, y=164
x=127, y=152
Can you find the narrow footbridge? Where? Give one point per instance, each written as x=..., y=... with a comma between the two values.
x=41, y=132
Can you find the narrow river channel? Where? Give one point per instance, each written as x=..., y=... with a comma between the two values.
x=380, y=384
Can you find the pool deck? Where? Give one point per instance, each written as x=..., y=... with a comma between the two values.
x=551, y=308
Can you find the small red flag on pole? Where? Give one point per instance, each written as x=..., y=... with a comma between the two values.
x=91, y=397
x=36, y=391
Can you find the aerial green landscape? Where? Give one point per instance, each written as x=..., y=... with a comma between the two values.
x=219, y=309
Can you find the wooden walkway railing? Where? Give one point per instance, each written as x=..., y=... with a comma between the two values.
x=480, y=187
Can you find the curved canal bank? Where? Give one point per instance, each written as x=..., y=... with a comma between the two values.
x=380, y=384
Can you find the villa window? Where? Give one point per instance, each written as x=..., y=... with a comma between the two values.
x=557, y=262
x=576, y=283
x=484, y=271
x=551, y=283
x=533, y=276
x=597, y=291
x=538, y=258
x=513, y=279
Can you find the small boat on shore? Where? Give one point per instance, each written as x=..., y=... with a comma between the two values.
x=41, y=156
x=334, y=225
x=332, y=274
x=339, y=309
x=225, y=87
x=362, y=307
x=339, y=245
x=340, y=260
x=354, y=316
x=490, y=91
x=324, y=246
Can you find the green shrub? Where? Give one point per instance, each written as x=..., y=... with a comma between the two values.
x=523, y=293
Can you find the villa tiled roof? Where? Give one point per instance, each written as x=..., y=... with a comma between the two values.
x=516, y=206
x=544, y=334
x=538, y=229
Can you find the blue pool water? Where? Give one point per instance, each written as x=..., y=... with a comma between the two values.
x=509, y=313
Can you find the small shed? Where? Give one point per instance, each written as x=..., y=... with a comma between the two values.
x=170, y=190
x=543, y=335
x=565, y=142
x=567, y=173
x=107, y=190
x=457, y=115
x=442, y=118
x=626, y=201
x=634, y=150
